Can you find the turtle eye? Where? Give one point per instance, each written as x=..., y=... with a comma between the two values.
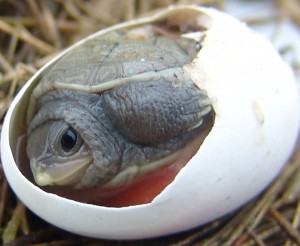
x=68, y=139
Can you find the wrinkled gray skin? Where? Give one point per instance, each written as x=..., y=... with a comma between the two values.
x=88, y=136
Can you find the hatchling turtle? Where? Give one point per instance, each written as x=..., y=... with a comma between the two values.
x=117, y=107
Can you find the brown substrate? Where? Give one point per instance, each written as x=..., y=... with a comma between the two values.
x=31, y=32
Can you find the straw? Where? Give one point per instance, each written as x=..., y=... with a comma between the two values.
x=32, y=32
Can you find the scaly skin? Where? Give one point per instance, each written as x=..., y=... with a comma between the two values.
x=114, y=107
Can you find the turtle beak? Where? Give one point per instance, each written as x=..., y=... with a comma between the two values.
x=68, y=173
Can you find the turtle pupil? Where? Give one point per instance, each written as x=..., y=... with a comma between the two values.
x=69, y=139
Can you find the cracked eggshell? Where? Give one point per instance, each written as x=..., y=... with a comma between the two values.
x=256, y=124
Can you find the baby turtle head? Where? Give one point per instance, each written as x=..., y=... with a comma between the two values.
x=111, y=111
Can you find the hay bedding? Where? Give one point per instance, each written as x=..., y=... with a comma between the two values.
x=32, y=32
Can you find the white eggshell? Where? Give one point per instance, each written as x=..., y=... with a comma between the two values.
x=257, y=120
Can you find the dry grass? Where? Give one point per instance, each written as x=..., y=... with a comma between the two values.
x=32, y=32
